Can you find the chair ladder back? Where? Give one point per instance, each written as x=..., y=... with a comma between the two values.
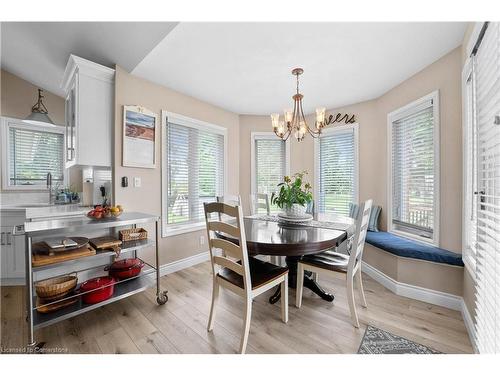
x=232, y=200
x=360, y=234
x=231, y=252
x=260, y=200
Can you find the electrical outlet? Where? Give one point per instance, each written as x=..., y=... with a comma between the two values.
x=202, y=240
x=137, y=182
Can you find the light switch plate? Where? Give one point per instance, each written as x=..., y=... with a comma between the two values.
x=137, y=182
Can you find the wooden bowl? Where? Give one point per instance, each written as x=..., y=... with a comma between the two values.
x=55, y=288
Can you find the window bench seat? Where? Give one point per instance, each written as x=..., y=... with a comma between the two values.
x=403, y=247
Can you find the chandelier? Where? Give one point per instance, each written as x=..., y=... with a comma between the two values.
x=294, y=120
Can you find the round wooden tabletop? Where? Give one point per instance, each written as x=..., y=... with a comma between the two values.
x=272, y=238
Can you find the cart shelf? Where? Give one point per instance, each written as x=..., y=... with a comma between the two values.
x=102, y=257
x=122, y=290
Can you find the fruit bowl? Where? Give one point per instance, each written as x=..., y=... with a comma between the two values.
x=101, y=213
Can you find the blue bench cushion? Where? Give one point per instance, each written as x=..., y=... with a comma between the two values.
x=411, y=249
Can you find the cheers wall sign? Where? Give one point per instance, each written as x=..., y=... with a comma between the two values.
x=339, y=117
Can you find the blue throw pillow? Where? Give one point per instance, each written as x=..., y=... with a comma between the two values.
x=373, y=222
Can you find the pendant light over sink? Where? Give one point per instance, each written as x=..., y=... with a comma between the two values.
x=39, y=113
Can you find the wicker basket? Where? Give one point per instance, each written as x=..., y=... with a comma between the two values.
x=133, y=234
x=55, y=288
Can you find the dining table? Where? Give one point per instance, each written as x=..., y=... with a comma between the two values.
x=268, y=235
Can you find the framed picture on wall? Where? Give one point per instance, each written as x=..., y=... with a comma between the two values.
x=139, y=135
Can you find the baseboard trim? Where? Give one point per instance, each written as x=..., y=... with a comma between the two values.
x=469, y=325
x=184, y=263
x=435, y=297
x=13, y=282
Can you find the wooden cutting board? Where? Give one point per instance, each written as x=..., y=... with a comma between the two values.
x=106, y=242
x=41, y=258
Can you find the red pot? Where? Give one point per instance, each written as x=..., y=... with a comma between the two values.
x=106, y=285
x=126, y=268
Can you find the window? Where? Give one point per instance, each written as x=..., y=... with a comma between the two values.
x=336, y=165
x=487, y=231
x=270, y=163
x=193, y=171
x=30, y=152
x=414, y=179
x=469, y=167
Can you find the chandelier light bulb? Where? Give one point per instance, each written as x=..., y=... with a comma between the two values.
x=275, y=118
x=281, y=128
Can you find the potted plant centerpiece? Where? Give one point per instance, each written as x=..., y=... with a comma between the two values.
x=293, y=196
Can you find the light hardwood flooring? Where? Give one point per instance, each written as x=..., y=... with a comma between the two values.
x=139, y=325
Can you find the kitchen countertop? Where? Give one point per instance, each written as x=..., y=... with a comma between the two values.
x=37, y=211
x=127, y=218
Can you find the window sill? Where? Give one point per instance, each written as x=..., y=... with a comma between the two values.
x=170, y=230
x=413, y=237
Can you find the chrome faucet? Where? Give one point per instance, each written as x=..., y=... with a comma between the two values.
x=49, y=186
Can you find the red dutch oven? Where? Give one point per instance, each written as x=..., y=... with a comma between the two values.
x=126, y=268
x=102, y=287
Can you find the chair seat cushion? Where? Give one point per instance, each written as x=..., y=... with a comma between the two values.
x=412, y=249
x=261, y=273
x=328, y=260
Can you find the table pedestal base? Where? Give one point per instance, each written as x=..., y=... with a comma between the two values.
x=309, y=283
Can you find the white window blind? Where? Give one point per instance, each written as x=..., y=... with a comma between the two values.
x=337, y=173
x=195, y=172
x=270, y=164
x=413, y=171
x=488, y=178
x=33, y=154
x=470, y=169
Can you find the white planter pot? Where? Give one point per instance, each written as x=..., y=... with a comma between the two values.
x=296, y=210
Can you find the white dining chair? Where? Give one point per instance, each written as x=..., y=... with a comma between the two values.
x=259, y=201
x=330, y=262
x=232, y=200
x=235, y=270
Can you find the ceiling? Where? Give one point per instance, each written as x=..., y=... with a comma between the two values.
x=242, y=67
x=38, y=51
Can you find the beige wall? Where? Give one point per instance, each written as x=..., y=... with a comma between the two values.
x=18, y=96
x=131, y=90
x=443, y=75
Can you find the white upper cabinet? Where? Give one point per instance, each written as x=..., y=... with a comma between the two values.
x=89, y=91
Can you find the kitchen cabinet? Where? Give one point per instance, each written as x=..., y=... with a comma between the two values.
x=12, y=251
x=89, y=112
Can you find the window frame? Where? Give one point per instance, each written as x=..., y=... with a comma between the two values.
x=265, y=135
x=329, y=131
x=168, y=230
x=392, y=117
x=468, y=255
x=7, y=123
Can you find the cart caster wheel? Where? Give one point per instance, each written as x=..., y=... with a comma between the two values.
x=162, y=298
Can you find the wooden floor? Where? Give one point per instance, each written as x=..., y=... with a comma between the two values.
x=139, y=325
